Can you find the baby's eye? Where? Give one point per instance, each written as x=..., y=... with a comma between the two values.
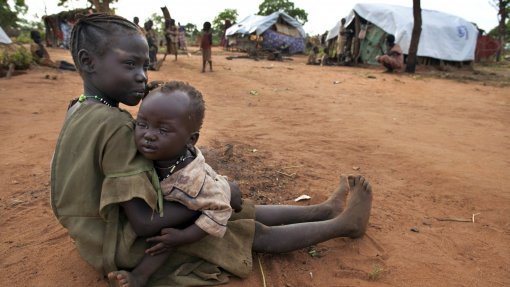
x=130, y=64
x=163, y=131
x=141, y=124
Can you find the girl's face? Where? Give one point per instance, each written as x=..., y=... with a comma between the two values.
x=120, y=75
x=164, y=126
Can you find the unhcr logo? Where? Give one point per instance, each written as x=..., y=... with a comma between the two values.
x=462, y=31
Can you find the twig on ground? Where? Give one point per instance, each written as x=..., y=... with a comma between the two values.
x=452, y=219
x=286, y=174
x=473, y=217
x=262, y=271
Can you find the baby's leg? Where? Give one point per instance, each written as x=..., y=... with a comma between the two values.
x=140, y=275
x=272, y=215
x=350, y=223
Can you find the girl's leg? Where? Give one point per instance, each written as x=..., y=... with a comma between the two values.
x=350, y=223
x=272, y=215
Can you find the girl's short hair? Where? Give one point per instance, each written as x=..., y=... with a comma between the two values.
x=93, y=32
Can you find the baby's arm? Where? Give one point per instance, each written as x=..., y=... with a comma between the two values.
x=147, y=223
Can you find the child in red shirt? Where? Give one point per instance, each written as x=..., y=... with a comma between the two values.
x=205, y=46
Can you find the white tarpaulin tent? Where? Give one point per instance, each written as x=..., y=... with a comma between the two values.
x=443, y=36
x=4, y=38
x=259, y=24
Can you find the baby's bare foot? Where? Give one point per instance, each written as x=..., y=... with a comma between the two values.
x=125, y=279
x=356, y=214
x=336, y=201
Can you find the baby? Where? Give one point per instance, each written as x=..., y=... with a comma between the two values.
x=167, y=129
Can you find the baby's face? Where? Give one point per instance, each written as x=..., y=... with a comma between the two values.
x=163, y=126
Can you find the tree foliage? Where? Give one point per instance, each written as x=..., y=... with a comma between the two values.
x=9, y=16
x=503, y=7
x=227, y=14
x=98, y=5
x=270, y=6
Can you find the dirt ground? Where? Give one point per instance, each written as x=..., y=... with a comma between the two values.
x=436, y=150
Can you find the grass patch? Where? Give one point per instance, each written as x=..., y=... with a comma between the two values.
x=376, y=273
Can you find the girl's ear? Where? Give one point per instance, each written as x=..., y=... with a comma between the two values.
x=193, y=138
x=86, y=61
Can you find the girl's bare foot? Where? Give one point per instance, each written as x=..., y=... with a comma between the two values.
x=356, y=214
x=336, y=201
x=125, y=279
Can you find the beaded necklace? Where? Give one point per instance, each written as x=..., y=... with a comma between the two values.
x=171, y=168
x=82, y=99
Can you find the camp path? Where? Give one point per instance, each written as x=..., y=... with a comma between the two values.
x=435, y=151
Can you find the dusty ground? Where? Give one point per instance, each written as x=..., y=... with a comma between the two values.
x=434, y=149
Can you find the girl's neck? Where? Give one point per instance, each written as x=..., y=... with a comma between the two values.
x=96, y=96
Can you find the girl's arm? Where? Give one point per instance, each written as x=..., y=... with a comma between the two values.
x=146, y=222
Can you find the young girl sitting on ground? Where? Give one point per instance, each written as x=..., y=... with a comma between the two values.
x=167, y=129
x=103, y=190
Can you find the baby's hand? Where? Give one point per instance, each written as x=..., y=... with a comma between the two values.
x=236, y=200
x=169, y=239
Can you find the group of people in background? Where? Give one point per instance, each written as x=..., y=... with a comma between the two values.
x=340, y=53
x=175, y=38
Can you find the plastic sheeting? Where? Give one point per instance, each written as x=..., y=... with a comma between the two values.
x=274, y=40
x=443, y=36
x=259, y=24
x=4, y=38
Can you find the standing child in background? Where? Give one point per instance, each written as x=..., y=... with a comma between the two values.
x=167, y=129
x=182, y=39
x=172, y=37
x=206, y=45
x=152, y=40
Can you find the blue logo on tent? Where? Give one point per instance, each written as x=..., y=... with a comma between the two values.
x=462, y=31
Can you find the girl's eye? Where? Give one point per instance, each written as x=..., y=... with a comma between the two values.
x=130, y=64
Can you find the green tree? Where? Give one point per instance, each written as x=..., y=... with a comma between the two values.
x=227, y=14
x=270, y=6
x=503, y=7
x=98, y=5
x=191, y=29
x=9, y=16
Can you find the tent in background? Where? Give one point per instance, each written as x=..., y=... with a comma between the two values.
x=269, y=32
x=4, y=39
x=443, y=36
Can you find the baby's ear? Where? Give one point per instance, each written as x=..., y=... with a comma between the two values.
x=86, y=61
x=193, y=138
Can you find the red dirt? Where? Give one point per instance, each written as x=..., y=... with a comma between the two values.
x=432, y=149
